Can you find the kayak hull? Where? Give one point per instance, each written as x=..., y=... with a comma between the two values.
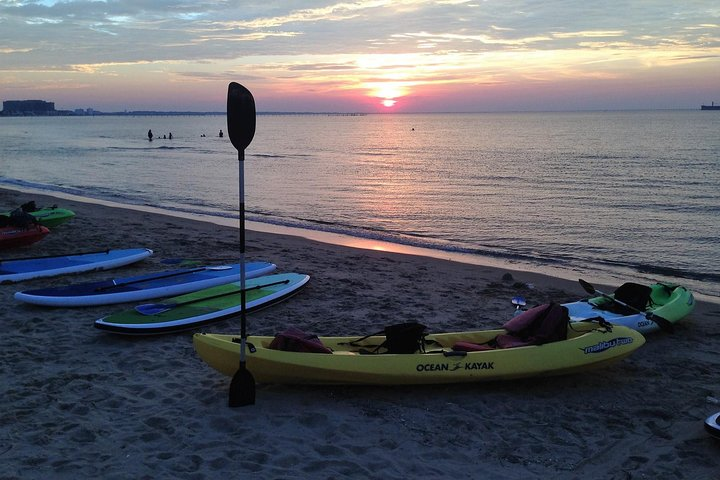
x=13, y=237
x=587, y=347
x=669, y=301
x=143, y=287
x=52, y=217
x=260, y=292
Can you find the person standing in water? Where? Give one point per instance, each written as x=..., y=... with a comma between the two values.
x=220, y=134
x=150, y=135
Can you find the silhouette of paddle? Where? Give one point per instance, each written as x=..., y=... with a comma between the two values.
x=661, y=322
x=241, y=130
x=160, y=276
x=193, y=261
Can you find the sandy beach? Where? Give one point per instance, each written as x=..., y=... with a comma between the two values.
x=81, y=403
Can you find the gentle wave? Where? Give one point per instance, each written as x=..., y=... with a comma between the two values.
x=511, y=257
x=148, y=147
x=420, y=241
x=203, y=209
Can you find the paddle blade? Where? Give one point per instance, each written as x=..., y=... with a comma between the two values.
x=240, y=116
x=242, y=388
x=665, y=325
x=154, y=308
x=588, y=288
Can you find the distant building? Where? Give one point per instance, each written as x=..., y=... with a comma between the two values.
x=28, y=107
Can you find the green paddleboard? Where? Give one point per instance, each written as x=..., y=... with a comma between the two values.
x=202, y=307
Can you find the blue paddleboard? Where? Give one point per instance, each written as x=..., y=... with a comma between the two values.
x=143, y=287
x=16, y=270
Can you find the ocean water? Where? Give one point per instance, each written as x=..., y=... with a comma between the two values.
x=612, y=195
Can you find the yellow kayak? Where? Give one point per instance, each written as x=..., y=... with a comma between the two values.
x=587, y=346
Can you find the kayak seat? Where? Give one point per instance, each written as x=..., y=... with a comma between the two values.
x=295, y=340
x=634, y=294
x=400, y=338
x=29, y=207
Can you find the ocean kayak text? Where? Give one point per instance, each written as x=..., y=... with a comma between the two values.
x=445, y=367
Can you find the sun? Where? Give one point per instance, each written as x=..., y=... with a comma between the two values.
x=387, y=91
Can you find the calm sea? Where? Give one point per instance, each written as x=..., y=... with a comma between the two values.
x=612, y=195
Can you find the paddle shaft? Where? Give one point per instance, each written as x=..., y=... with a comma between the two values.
x=175, y=261
x=149, y=279
x=225, y=294
x=243, y=293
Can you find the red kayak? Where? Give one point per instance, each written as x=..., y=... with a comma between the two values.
x=11, y=237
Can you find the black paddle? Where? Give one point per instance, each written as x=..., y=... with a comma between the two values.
x=161, y=276
x=192, y=261
x=661, y=322
x=158, y=308
x=241, y=129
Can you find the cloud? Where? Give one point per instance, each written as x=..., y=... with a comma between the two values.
x=343, y=45
x=590, y=34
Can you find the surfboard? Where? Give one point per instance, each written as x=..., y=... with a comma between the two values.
x=143, y=287
x=16, y=270
x=203, y=307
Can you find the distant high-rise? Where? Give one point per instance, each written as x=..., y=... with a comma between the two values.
x=28, y=107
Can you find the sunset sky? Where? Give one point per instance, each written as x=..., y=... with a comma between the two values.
x=362, y=56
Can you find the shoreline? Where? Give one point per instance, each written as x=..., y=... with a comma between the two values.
x=82, y=403
x=339, y=239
